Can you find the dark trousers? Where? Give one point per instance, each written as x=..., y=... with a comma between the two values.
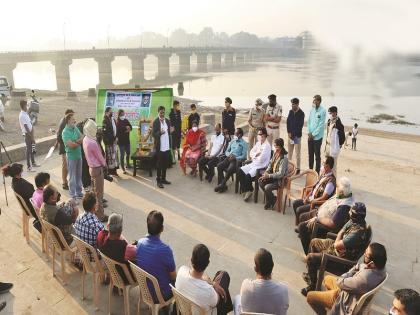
x=267, y=187
x=207, y=164
x=299, y=207
x=305, y=236
x=246, y=181
x=314, y=148
x=227, y=166
x=353, y=143
x=162, y=163
x=224, y=306
x=124, y=153
x=30, y=156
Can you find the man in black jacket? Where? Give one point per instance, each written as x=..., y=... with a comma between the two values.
x=295, y=121
x=161, y=133
x=176, y=122
x=109, y=133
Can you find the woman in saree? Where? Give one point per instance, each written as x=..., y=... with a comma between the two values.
x=194, y=147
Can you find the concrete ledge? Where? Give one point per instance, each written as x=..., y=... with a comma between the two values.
x=17, y=152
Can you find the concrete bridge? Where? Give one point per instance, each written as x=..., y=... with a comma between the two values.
x=104, y=57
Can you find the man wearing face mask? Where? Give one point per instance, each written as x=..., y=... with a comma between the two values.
x=343, y=292
x=208, y=162
x=161, y=134
x=349, y=244
x=295, y=121
x=335, y=136
x=316, y=124
x=255, y=121
x=272, y=118
x=73, y=140
x=235, y=154
x=123, y=137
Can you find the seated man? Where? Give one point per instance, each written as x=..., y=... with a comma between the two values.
x=322, y=190
x=260, y=157
x=211, y=159
x=235, y=153
x=155, y=257
x=41, y=180
x=262, y=295
x=200, y=288
x=275, y=173
x=114, y=245
x=88, y=226
x=61, y=215
x=343, y=293
x=406, y=302
x=349, y=244
x=333, y=213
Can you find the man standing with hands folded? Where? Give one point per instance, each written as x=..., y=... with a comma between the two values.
x=295, y=121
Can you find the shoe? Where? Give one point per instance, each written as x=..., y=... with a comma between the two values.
x=223, y=189
x=2, y=306
x=104, y=218
x=297, y=171
x=267, y=207
x=5, y=287
x=160, y=185
x=306, y=278
x=65, y=186
x=35, y=165
x=247, y=195
x=165, y=182
x=306, y=290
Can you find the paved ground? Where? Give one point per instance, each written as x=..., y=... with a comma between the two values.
x=232, y=229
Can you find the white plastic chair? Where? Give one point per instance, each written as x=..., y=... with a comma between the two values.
x=365, y=301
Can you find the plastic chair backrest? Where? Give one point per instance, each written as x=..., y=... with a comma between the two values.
x=142, y=277
x=34, y=205
x=23, y=205
x=184, y=304
x=311, y=178
x=57, y=237
x=291, y=168
x=89, y=256
x=117, y=280
x=365, y=301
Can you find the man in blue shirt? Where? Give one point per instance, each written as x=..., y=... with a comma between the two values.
x=155, y=257
x=316, y=124
x=235, y=153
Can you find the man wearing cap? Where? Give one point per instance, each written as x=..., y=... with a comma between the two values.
x=96, y=162
x=316, y=124
x=272, y=118
x=350, y=243
x=255, y=121
x=335, y=136
x=295, y=121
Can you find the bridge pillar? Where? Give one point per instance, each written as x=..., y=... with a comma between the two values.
x=240, y=58
x=184, y=62
x=62, y=74
x=201, y=62
x=6, y=70
x=163, y=65
x=137, y=68
x=105, y=71
x=229, y=59
x=216, y=60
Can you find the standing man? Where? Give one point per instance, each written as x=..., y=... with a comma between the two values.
x=161, y=133
x=316, y=124
x=194, y=116
x=335, y=136
x=295, y=121
x=255, y=121
x=28, y=133
x=272, y=118
x=354, y=133
x=109, y=132
x=61, y=148
x=96, y=162
x=229, y=116
x=176, y=122
x=73, y=140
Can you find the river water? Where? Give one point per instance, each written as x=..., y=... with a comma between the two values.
x=360, y=91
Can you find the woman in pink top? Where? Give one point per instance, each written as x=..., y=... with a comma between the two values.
x=96, y=162
x=41, y=180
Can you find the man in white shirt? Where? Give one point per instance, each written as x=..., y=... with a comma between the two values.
x=208, y=162
x=262, y=295
x=272, y=118
x=207, y=293
x=28, y=133
x=161, y=134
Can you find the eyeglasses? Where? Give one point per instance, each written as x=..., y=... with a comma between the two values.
x=260, y=134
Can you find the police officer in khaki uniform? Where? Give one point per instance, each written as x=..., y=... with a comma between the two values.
x=272, y=118
x=255, y=121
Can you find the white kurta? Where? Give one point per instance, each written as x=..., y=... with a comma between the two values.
x=264, y=150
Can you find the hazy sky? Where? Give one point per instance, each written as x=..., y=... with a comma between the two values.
x=374, y=24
